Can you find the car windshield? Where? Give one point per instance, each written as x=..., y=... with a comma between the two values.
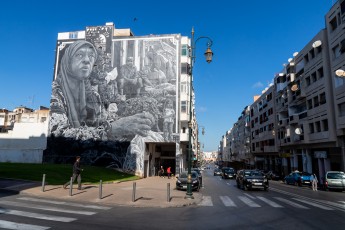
x=335, y=175
x=229, y=170
x=185, y=175
x=253, y=173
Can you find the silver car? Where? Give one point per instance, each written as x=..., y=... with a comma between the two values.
x=335, y=180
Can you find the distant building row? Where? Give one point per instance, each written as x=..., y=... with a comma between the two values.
x=297, y=123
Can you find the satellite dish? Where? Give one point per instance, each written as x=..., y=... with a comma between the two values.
x=281, y=74
x=295, y=54
x=294, y=87
x=298, y=131
x=340, y=73
x=317, y=44
x=290, y=60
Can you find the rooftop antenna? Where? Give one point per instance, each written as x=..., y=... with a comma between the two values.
x=32, y=101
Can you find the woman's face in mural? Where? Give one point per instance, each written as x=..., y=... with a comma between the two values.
x=83, y=61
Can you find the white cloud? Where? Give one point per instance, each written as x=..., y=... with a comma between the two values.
x=258, y=85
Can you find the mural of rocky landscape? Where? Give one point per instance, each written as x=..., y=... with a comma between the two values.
x=112, y=96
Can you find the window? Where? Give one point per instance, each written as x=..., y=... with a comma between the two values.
x=319, y=49
x=333, y=23
x=320, y=72
x=312, y=53
x=184, y=68
x=325, y=125
x=310, y=104
x=306, y=58
x=322, y=98
x=313, y=77
x=318, y=126
x=341, y=109
x=184, y=50
x=316, y=101
x=311, y=127
x=336, y=51
x=183, y=129
x=73, y=35
x=183, y=106
x=307, y=81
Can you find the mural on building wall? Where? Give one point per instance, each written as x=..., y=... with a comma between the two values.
x=110, y=97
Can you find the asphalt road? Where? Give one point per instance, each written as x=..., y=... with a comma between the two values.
x=224, y=206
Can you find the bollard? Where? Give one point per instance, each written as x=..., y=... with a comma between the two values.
x=133, y=194
x=168, y=192
x=43, y=182
x=70, y=186
x=100, y=189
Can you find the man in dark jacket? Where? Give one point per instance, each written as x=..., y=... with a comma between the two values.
x=76, y=174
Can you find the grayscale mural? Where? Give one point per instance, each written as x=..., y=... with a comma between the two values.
x=112, y=96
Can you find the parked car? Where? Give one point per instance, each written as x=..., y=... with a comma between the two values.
x=298, y=178
x=228, y=173
x=217, y=172
x=273, y=175
x=181, y=182
x=251, y=179
x=199, y=174
x=335, y=180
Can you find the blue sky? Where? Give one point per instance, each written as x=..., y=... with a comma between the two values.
x=251, y=41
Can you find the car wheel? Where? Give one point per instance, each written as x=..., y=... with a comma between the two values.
x=266, y=189
x=238, y=185
x=245, y=187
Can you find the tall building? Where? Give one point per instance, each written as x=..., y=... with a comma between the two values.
x=121, y=101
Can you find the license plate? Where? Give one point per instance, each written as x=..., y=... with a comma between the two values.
x=257, y=183
x=307, y=182
x=184, y=186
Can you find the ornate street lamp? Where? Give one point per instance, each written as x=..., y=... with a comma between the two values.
x=208, y=55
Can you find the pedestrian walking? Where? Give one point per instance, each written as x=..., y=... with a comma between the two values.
x=76, y=174
x=161, y=172
x=314, y=181
x=169, y=172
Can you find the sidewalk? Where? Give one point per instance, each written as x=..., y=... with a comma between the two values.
x=149, y=192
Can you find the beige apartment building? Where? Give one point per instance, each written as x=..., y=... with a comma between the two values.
x=298, y=122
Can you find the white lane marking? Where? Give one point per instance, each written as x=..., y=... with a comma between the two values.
x=289, y=202
x=64, y=203
x=313, y=204
x=272, y=203
x=17, y=226
x=249, y=202
x=36, y=215
x=47, y=208
x=206, y=201
x=227, y=201
x=252, y=197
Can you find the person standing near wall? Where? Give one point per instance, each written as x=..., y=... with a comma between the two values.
x=76, y=174
x=314, y=181
x=169, y=172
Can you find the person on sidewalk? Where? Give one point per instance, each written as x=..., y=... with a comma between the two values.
x=169, y=172
x=314, y=181
x=161, y=172
x=76, y=174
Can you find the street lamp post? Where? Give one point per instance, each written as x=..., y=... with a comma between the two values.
x=208, y=55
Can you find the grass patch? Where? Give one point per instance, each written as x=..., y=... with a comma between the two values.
x=60, y=173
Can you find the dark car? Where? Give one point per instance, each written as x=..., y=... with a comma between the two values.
x=251, y=179
x=335, y=180
x=217, y=172
x=273, y=175
x=298, y=178
x=199, y=174
x=181, y=182
x=228, y=173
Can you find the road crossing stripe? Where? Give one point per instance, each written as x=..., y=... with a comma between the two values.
x=36, y=215
x=64, y=203
x=272, y=203
x=227, y=201
x=249, y=196
x=313, y=204
x=249, y=202
x=206, y=201
x=289, y=202
x=17, y=226
x=47, y=208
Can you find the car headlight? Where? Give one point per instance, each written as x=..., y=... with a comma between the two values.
x=178, y=181
x=249, y=180
x=195, y=181
x=265, y=180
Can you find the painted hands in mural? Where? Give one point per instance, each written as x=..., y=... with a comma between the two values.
x=138, y=124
